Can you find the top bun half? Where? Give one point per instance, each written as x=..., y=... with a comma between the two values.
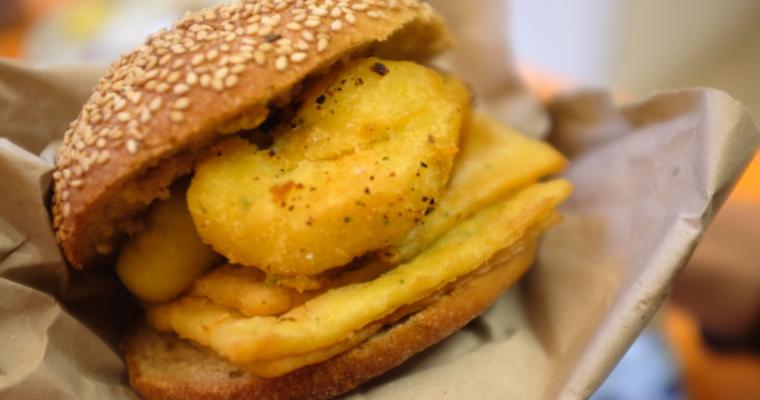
x=216, y=71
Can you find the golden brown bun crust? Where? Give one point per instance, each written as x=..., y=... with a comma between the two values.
x=162, y=367
x=163, y=100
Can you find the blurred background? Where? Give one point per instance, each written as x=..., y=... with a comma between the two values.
x=704, y=344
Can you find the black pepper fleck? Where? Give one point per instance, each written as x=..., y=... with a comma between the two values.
x=380, y=69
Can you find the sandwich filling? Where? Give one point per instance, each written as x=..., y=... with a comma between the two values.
x=359, y=204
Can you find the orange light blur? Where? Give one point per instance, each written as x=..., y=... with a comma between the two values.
x=11, y=38
x=748, y=187
x=709, y=375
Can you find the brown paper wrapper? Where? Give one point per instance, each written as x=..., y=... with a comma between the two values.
x=649, y=177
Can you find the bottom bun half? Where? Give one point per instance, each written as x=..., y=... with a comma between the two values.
x=164, y=367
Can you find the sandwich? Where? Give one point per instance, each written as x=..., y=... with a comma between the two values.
x=295, y=198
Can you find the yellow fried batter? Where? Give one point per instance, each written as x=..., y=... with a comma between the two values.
x=494, y=161
x=345, y=177
x=163, y=260
x=331, y=317
x=244, y=289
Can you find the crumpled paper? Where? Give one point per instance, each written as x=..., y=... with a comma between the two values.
x=649, y=177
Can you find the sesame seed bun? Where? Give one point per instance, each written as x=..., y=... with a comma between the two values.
x=163, y=367
x=162, y=103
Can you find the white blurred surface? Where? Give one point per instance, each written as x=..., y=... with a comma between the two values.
x=642, y=46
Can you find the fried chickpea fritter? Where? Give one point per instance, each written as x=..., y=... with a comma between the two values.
x=511, y=224
x=163, y=260
x=346, y=176
x=493, y=161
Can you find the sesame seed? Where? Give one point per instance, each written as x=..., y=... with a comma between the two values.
x=265, y=30
x=322, y=45
x=178, y=49
x=252, y=29
x=103, y=156
x=144, y=115
x=212, y=54
x=237, y=69
x=152, y=61
x=312, y=23
x=66, y=209
x=307, y=36
x=131, y=146
x=217, y=84
x=181, y=103
x=135, y=97
x=100, y=143
x=197, y=59
x=284, y=50
x=298, y=57
x=359, y=6
x=293, y=26
x=350, y=18
x=119, y=103
x=162, y=87
x=181, y=88
x=237, y=59
x=281, y=63
x=302, y=45
x=336, y=25
x=173, y=77
x=191, y=79
x=205, y=80
x=165, y=59
x=231, y=81
x=123, y=116
x=135, y=133
x=155, y=104
x=76, y=183
x=221, y=72
x=271, y=21
x=319, y=12
x=373, y=14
